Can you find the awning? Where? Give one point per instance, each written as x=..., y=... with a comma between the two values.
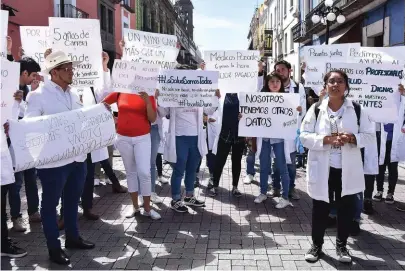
x=338, y=34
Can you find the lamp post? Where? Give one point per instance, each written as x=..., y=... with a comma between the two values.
x=327, y=16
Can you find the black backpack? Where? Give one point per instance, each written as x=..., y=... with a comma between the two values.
x=357, y=109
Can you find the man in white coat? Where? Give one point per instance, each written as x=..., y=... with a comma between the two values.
x=69, y=175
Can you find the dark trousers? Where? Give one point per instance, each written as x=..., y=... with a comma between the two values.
x=108, y=170
x=159, y=164
x=392, y=170
x=210, y=162
x=4, y=230
x=87, y=196
x=346, y=207
x=70, y=179
x=29, y=178
x=220, y=159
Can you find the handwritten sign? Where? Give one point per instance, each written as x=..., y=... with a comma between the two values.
x=238, y=70
x=3, y=33
x=10, y=79
x=80, y=39
x=378, y=55
x=35, y=41
x=47, y=139
x=268, y=115
x=150, y=48
x=375, y=87
x=187, y=88
x=134, y=77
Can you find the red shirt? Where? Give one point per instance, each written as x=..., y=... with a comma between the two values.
x=132, y=118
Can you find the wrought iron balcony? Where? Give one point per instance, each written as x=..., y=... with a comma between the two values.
x=70, y=11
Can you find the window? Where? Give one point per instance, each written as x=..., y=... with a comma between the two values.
x=285, y=7
x=126, y=25
x=291, y=3
x=291, y=41
x=271, y=20
x=285, y=43
x=110, y=21
x=103, y=19
x=126, y=2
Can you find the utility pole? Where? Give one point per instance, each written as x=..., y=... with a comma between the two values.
x=62, y=8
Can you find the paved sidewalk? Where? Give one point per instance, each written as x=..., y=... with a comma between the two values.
x=227, y=233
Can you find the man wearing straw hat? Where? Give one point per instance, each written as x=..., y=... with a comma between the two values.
x=69, y=175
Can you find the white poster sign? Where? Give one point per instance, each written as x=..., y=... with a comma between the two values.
x=3, y=33
x=375, y=87
x=187, y=88
x=238, y=70
x=268, y=115
x=134, y=77
x=378, y=55
x=150, y=48
x=80, y=39
x=35, y=41
x=6, y=164
x=47, y=139
x=10, y=79
x=329, y=53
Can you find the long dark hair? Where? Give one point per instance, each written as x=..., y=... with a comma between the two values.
x=341, y=73
x=268, y=78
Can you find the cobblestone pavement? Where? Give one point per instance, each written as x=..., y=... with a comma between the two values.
x=227, y=233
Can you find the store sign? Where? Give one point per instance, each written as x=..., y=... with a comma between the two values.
x=268, y=42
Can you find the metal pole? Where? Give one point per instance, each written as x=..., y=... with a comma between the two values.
x=62, y=8
x=327, y=32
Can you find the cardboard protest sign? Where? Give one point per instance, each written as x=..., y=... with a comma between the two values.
x=80, y=39
x=150, y=48
x=3, y=33
x=35, y=41
x=47, y=139
x=238, y=70
x=10, y=79
x=378, y=55
x=187, y=88
x=268, y=115
x=6, y=164
x=134, y=77
x=375, y=87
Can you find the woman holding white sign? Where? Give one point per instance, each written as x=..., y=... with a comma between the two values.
x=334, y=137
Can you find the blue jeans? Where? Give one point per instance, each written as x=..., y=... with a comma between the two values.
x=292, y=172
x=281, y=165
x=70, y=179
x=188, y=158
x=29, y=177
x=155, y=143
x=250, y=163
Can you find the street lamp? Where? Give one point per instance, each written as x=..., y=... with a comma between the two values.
x=327, y=16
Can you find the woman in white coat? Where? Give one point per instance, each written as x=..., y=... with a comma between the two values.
x=335, y=169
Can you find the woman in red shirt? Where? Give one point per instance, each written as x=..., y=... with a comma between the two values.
x=137, y=112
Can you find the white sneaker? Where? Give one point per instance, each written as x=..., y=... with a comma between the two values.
x=19, y=225
x=107, y=181
x=155, y=198
x=152, y=214
x=248, y=179
x=162, y=180
x=260, y=198
x=282, y=203
x=97, y=182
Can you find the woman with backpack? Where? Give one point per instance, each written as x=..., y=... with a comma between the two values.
x=335, y=174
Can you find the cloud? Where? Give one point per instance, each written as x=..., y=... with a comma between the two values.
x=205, y=22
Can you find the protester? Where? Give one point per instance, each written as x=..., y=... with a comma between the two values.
x=67, y=175
x=334, y=155
x=264, y=147
x=185, y=145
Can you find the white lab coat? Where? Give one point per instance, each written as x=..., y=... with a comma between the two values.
x=212, y=130
x=219, y=115
x=169, y=153
x=49, y=100
x=312, y=133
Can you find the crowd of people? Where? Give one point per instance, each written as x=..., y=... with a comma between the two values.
x=335, y=136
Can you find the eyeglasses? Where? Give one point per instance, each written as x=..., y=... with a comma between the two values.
x=339, y=82
x=67, y=69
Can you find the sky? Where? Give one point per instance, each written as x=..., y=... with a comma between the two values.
x=222, y=24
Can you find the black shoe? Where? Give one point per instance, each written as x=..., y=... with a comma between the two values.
x=401, y=207
x=368, y=207
x=210, y=185
x=355, y=228
x=12, y=251
x=58, y=256
x=192, y=201
x=197, y=183
x=313, y=254
x=178, y=206
x=332, y=222
x=343, y=254
x=236, y=192
x=89, y=215
x=79, y=243
x=212, y=192
x=378, y=196
x=390, y=198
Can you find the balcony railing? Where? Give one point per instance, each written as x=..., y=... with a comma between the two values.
x=71, y=11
